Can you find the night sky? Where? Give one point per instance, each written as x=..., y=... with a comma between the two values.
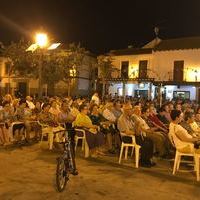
x=99, y=25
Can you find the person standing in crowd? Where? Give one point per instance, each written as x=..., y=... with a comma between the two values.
x=30, y=102
x=95, y=98
x=127, y=126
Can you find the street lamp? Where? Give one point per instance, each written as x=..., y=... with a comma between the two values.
x=41, y=42
x=72, y=75
x=41, y=39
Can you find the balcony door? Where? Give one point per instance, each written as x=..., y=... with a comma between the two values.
x=124, y=69
x=143, y=69
x=178, y=70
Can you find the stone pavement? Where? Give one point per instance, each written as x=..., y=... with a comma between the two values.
x=28, y=173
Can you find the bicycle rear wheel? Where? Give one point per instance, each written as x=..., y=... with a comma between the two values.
x=62, y=174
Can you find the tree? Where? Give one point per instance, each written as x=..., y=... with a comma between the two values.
x=106, y=68
x=56, y=65
x=21, y=63
x=73, y=59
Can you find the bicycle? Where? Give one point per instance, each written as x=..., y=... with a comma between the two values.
x=65, y=164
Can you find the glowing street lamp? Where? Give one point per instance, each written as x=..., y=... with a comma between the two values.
x=41, y=40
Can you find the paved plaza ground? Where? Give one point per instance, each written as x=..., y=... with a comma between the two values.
x=28, y=173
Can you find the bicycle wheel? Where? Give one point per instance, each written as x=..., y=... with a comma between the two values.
x=62, y=174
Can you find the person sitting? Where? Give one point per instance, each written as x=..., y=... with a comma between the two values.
x=197, y=116
x=30, y=121
x=160, y=140
x=190, y=125
x=34, y=120
x=166, y=111
x=67, y=118
x=128, y=126
x=8, y=98
x=95, y=115
x=179, y=107
x=38, y=108
x=99, y=120
x=75, y=109
x=20, y=118
x=162, y=116
x=54, y=110
x=113, y=140
x=155, y=120
x=51, y=124
x=117, y=110
x=6, y=116
x=179, y=136
x=94, y=138
x=15, y=105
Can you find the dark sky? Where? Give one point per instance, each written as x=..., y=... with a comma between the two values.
x=99, y=25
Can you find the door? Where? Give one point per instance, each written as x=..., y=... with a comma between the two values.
x=178, y=70
x=22, y=89
x=124, y=69
x=143, y=69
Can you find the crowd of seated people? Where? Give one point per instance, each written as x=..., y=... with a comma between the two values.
x=106, y=123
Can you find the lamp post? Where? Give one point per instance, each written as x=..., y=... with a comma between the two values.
x=41, y=42
x=72, y=75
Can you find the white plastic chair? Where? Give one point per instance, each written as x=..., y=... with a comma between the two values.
x=84, y=142
x=178, y=156
x=197, y=158
x=50, y=132
x=133, y=145
x=82, y=138
x=45, y=131
x=11, y=134
x=177, y=160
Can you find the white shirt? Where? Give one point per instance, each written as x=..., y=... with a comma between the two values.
x=95, y=99
x=30, y=104
x=109, y=115
x=179, y=144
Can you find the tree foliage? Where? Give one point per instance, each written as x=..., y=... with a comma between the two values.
x=22, y=63
x=56, y=64
x=105, y=66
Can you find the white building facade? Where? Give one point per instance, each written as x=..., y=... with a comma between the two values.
x=173, y=64
x=80, y=85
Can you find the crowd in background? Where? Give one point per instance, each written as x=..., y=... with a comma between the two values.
x=107, y=123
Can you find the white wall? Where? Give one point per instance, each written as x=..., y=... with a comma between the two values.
x=133, y=62
x=163, y=63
